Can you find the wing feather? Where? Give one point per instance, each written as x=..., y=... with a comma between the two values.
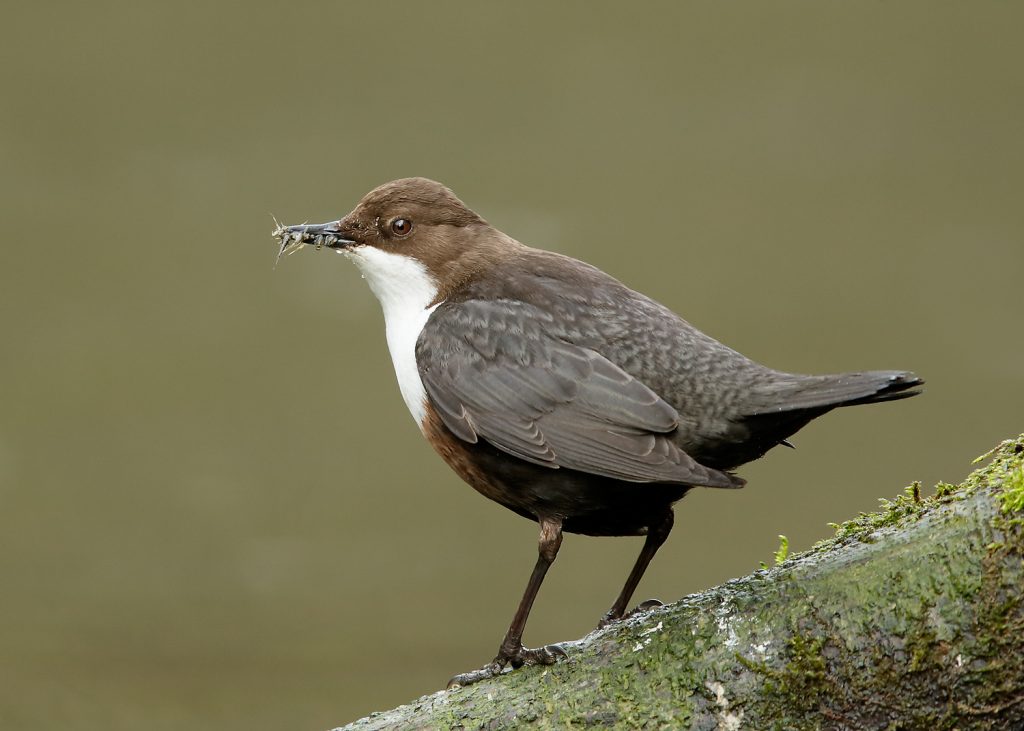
x=547, y=401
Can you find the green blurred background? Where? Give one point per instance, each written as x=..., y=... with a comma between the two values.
x=215, y=510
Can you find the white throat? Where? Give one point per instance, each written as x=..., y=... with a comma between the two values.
x=405, y=290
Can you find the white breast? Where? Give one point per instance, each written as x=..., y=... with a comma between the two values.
x=405, y=290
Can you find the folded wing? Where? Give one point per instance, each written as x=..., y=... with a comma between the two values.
x=493, y=370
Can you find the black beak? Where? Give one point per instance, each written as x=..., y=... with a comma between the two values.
x=315, y=234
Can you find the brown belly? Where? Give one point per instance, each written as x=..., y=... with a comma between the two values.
x=587, y=504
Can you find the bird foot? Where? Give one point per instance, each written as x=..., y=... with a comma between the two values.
x=518, y=657
x=640, y=608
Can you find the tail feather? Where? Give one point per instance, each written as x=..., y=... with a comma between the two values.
x=798, y=393
x=784, y=403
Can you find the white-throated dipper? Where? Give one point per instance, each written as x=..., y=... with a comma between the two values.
x=555, y=390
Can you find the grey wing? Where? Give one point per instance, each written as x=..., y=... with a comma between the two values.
x=542, y=399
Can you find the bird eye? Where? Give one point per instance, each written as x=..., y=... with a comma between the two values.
x=401, y=226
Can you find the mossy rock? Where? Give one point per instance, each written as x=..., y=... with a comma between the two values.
x=908, y=618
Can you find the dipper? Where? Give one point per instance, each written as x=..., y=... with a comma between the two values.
x=555, y=390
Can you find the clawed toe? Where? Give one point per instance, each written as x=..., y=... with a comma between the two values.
x=517, y=658
x=646, y=606
x=547, y=655
x=640, y=608
x=475, y=676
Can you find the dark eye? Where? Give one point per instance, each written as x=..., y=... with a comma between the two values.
x=401, y=226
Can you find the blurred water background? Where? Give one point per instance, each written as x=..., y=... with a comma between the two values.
x=215, y=511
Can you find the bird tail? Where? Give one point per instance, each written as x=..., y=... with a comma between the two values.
x=783, y=403
x=822, y=393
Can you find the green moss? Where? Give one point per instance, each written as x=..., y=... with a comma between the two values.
x=1006, y=471
x=783, y=551
x=650, y=687
x=1011, y=499
x=804, y=673
x=799, y=685
x=893, y=512
x=802, y=689
x=921, y=644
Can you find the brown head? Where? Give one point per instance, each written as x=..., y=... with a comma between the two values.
x=416, y=219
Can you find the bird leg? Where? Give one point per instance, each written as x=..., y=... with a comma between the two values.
x=512, y=651
x=656, y=535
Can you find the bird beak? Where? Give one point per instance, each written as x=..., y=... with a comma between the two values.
x=316, y=234
x=319, y=235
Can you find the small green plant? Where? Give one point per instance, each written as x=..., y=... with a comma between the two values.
x=780, y=555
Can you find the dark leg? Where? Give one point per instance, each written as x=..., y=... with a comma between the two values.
x=656, y=535
x=512, y=650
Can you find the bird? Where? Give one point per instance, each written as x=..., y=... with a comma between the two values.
x=555, y=390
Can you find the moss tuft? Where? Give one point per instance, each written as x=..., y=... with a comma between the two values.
x=1011, y=499
x=1006, y=471
x=893, y=512
x=783, y=551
